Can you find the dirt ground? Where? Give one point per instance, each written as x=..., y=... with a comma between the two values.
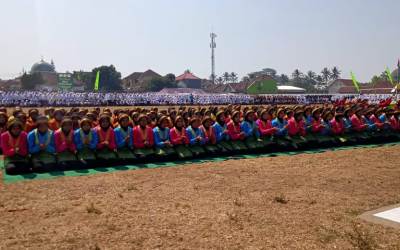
x=287, y=202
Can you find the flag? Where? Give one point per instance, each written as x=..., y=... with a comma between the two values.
x=353, y=78
x=389, y=75
x=96, y=83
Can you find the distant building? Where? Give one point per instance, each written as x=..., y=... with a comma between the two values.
x=346, y=86
x=137, y=81
x=341, y=86
x=48, y=73
x=12, y=84
x=188, y=80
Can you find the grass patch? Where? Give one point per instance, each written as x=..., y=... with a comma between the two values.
x=360, y=238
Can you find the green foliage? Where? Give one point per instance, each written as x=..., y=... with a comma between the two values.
x=110, y=79
x=29, y=81
x=159, y=83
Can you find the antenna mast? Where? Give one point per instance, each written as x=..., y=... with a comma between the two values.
x=213, y=46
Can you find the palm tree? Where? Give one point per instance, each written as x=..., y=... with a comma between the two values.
x=227, y=77
x=246, y=79
x=297, y=75
x=326, y=74
x=219, y=80
x=335, y=73
x=234, y=77
x=284, y=78
x=311, y=75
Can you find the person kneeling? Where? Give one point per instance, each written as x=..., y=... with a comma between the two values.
x=106, y=146
x=162, y=141
x=65, y=146
x=15, y=150
x=86, y=140
x=251, y=132
x=41, y=147
x=211, y=140
x=143, y=139
x=124, y=140
x=180, y=139
x=196, y=137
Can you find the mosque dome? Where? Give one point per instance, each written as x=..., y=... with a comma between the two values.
x=43, y=66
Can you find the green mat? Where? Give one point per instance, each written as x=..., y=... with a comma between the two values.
x=55, y=174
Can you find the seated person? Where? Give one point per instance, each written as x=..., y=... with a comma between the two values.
x=180, y=139
x=65, y=146
x=143, y=140
x=86, y=140
x=196, y=137
x=15, y=150
x=235, y=133
x=124, y=139
x=41, y=146
x=209, y=133
x=162, y=139
x=251, y=132
x=106, y=146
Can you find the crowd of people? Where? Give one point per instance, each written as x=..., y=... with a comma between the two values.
x=77, y=138
x=90, y=99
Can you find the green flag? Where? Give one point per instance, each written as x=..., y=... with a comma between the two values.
x=96, y=83
x=389, y=75
x=353, y=78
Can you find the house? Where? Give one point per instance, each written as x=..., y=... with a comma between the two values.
x=188, y=80
x=346, y=86
x=341, y=86
x=137, y=81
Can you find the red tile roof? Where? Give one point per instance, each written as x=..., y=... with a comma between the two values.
x=186, y=76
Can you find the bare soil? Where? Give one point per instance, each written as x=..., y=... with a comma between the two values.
x=287, y=202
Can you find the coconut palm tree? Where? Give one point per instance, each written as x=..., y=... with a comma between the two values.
x=335, y=73
x=284, y=78
x=296, y=75
x=219, y=80
x=234, y=77
x=311, y=75
x=227, y=77
x=326, y=74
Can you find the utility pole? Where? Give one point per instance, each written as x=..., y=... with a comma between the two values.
x=213, y=46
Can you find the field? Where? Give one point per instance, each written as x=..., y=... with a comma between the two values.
x=306, y=201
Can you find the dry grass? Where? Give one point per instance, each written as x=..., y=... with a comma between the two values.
x=287, y=202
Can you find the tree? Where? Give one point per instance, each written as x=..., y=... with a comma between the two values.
x=384, y=76
x=326, y=74
x=375, y=79
x=170, y=77
x=297, y=75
x=159, y=83
x=227, y=77
x=284, y=78
x=219, y=80
x=30, y=81
x=110, y=79
x=311, y=75
x=234, y=77
x=269, y=72
x=246, y=79
x=335, y=73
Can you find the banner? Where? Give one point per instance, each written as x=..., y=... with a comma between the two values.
x=353, y=78
x=96, y=83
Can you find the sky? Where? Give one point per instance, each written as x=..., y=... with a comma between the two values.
x=170, y=36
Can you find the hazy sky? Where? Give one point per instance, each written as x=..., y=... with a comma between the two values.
x=173, y=35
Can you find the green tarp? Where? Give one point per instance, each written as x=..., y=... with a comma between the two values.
x=35, y=176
